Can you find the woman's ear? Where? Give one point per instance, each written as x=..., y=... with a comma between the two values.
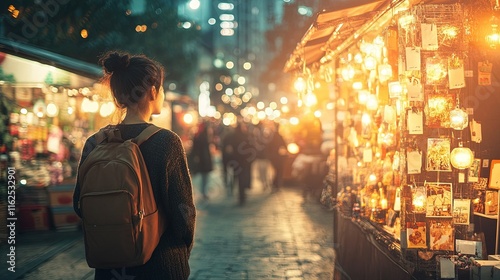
x=153, y=93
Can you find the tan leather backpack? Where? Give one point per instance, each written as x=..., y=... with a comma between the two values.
x=121, y=221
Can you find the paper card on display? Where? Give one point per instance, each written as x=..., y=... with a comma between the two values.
x=461, y=211
x=469, y=247
x=416, y=235
x=484, y=73
x=397, y=200
x=415, y=92
x=389, y=114
x=441, y=235
x=439, y=200
x=461, y=177
x=456, y=76
x=475, y=131
x=415, y=122
x=367, y=155
x=414, y=159
x=474, y=171
x=412, y=58
x=494, y=182
x=429, y=36
x=447, y=268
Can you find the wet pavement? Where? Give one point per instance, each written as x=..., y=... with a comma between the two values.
x=276, y=235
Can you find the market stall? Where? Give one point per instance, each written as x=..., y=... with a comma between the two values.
x=414, y=114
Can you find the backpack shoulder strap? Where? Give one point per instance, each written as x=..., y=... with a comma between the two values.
x=145, y=134
x=109, y=133
x=100, y=136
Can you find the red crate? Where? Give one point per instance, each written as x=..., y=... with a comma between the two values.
x=61, y=195
x=65, y=218
x=32, y=217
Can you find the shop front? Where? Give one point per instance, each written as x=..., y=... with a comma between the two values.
x=414, y=86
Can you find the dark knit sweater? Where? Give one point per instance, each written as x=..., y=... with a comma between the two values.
x=166, y=162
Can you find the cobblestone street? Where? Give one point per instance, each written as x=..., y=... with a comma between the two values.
x=273, y=236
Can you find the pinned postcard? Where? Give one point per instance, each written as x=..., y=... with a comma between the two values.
x=456, y=73
x=415, y=122
x=461, y=211
x=429, y=36
x=412, y=58
x=484, y=73
x=414, y=159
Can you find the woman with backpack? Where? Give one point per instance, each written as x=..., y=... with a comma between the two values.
x=136, y=83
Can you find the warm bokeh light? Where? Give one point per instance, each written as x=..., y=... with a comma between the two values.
x=294, y=121
x=293, y=148
x=310, y=99
x=300, y=84
x=84, y=33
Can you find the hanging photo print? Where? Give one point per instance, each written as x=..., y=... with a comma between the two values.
x=415, y=121
x=474, y=171
x=436, y=71
x=415, y=91
x=439, y=198
x=416, y=235
x=491, y=203
x=456, y=73
x=438, y=108
x=418, y=196
x=461, y=211
x=438, y=154
x=441, y=235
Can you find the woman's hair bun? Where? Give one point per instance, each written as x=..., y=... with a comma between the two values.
x=115, y=62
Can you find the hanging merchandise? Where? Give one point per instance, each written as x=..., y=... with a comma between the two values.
x=415, y=91
x=415, y=121
x=439, y=199
x=416, y=235
x=437, y=109
x=438, y=154
x=484, y=73
x=412, y=59
x=429, y=36
x=456, y=73
x=461, y=211
x=414, y=162
x=436, y=70
x=418, y=199
x=475, y=131
x=389, y=114
x=441, y=234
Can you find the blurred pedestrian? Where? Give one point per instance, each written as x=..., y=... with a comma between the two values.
x=228, y=159
x=238, y=146
x=137, y=85
x=310, y=164
x=262, y=136
x=277, y=154
x=200, y=156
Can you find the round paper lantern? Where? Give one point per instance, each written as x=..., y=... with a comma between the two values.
x=461, y=157
x=458, y=119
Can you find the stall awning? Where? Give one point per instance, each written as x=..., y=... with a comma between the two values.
x=331, y=29
x=49, y=58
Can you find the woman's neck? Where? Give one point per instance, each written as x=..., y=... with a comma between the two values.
x=131, y=118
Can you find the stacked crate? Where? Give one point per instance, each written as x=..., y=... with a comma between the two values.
x=61, y=207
